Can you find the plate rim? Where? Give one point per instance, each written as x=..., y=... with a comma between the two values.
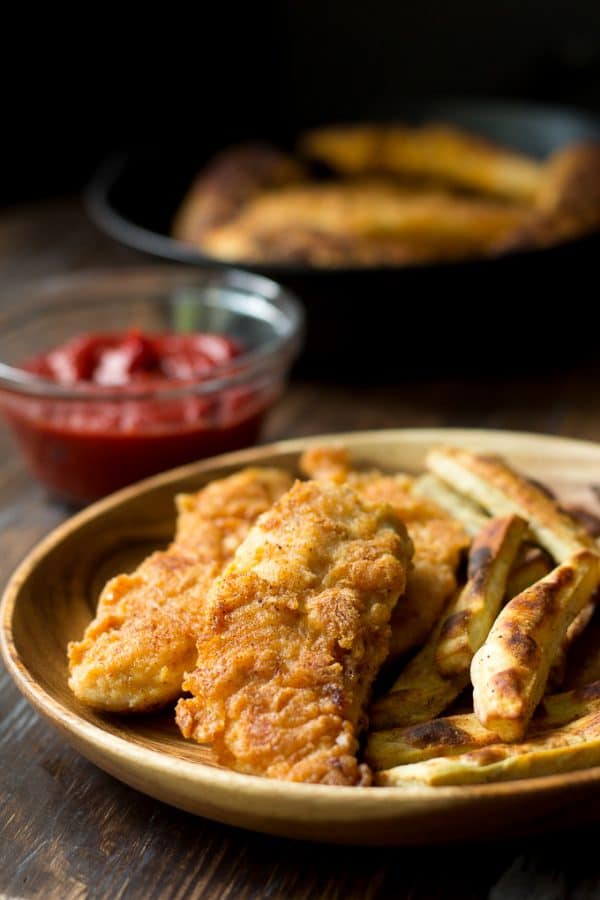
x=318, y=797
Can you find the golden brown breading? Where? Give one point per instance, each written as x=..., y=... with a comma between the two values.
x=297, y=627
x=143, y=638
x=357, y=224
x=409, y=195
x=227, y=183
x=567, y=203
x=443, y=152
x=438, y=539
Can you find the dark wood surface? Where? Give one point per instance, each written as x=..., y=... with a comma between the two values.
x=67, y=830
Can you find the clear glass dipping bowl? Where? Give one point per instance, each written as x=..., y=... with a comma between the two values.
x=84, y=441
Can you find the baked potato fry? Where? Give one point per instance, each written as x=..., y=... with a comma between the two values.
x=531, y=564
x=490, y=559
x=576, y=628
x=448, y=736
x=420, y=692
x=471, y=516
x=491, y=483
x=559, y=750
x=583, y=664
x=455, y=735
x=510, y=671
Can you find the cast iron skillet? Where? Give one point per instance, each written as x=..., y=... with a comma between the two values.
x=521, y=311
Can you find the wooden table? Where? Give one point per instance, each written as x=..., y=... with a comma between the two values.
x=67, y=830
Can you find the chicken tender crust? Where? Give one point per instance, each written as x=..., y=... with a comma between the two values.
x=438, y=539
x=134, y=653
x=297, y=627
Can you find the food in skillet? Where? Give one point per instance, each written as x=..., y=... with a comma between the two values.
x=497, y=682
x=362, y=195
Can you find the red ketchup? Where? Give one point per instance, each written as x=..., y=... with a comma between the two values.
x=119, y=430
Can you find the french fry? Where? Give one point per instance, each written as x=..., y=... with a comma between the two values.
x=583, y=666
x=455, y=735
x=420, y=692
x=509, y=672
x=491, y=483
x=470, y=515
x=575, y=630
x=492, y=554
x=558, y=750
x=448, y=736
x=531, y=564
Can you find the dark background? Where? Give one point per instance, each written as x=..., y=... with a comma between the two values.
x=77, y=87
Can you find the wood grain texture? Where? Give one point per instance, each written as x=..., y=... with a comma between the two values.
x=68, y=830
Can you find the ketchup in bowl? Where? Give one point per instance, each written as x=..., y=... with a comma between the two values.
x=119, y=360
x=133, y=404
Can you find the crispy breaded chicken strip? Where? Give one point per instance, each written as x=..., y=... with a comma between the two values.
x=134, y=653
x=566, y=749
x=490, y=559
x=494, y=485
x=454, y=735
x=567, y=203
x=442, y=152
x=297, y=627
x=509, y=672
x=227, y=183
x=346, y=223
x=438, y=539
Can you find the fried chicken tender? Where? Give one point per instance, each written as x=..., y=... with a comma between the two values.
x=227, y=183
x=297, y=627
x=134, y=653
x=338, y=223
x=443, y=152
x=567, y=204
x=438, y=540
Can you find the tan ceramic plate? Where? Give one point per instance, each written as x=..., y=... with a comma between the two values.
x=52, y=596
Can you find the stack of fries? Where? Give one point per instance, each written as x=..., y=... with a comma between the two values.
x=532, y=579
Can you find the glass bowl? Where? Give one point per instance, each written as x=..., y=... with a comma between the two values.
x=85, y=440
